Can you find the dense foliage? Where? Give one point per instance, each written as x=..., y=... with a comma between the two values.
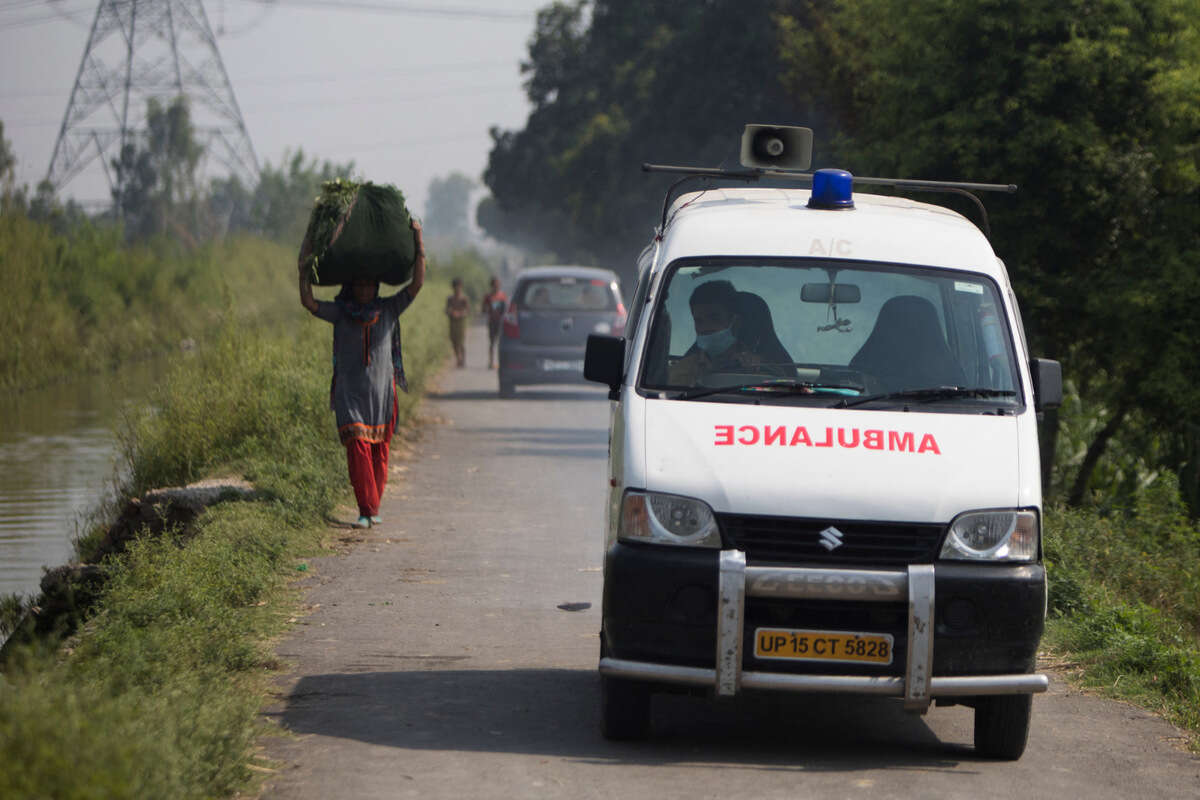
x=1125, y=599
x=447, y=209
x=159, y=695
x=83, y=300
x=615, y=83
x=1088, y=106
x=278, y=207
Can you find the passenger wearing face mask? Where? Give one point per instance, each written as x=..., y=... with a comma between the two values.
x=717, y=347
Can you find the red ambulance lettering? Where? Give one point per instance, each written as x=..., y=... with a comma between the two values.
x=846, y=438
x=724, y=434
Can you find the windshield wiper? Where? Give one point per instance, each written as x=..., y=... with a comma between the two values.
x=781, y=386
x=929, y=395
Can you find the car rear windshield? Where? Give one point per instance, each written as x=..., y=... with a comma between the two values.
x=567, y=293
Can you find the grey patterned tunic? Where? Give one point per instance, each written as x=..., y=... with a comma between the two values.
x=363, y=391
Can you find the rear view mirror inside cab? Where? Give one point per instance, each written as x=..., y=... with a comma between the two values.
x=830, y=293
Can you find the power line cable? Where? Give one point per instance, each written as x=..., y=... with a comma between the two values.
x=343, y=102
x=465, y=91
x=27, y=22
x=412, y=9
x=316, y=77
x=351, y=149
x=47, y=10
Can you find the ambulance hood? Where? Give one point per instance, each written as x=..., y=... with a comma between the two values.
x=840, y=464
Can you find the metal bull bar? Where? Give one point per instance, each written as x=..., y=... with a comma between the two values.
x=917, y=687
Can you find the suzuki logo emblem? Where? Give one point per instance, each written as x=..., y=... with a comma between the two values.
x=831, y=538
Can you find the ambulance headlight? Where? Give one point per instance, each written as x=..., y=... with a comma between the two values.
x=668, y=519
x=1001, y=535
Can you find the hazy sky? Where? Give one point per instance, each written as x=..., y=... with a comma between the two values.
x=407, y=93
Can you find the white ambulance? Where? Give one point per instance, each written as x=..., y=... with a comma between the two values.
x=824, y=470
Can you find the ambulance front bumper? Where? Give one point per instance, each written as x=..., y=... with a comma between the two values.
x=1020, y=590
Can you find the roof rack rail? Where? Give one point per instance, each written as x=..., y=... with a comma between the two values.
x=962, y=188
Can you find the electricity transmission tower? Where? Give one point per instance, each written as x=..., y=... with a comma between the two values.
x=142, y=49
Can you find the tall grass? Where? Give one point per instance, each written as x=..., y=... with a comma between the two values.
x=84, y=301
x=158, y=695
x=1125, y=600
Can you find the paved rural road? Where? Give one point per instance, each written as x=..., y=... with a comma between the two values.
x=436, y=663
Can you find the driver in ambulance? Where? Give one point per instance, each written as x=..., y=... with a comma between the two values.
x=718, y=347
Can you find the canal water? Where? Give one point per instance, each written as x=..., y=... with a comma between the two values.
x=58, y=461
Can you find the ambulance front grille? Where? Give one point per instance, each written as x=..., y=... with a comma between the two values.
x=789, y=540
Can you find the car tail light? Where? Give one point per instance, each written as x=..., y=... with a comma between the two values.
x=618, y=328
x=512, y=330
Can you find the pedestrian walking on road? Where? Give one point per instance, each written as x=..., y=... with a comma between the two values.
x=458, y=308
x=493, y=310
x=363, y=394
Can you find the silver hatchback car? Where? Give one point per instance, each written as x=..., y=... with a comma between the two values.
x=545, y=329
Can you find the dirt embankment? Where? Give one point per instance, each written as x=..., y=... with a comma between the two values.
x=69, y=593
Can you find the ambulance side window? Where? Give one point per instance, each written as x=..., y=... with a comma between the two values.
x=635, y=310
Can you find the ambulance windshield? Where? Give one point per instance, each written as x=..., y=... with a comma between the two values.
x=834, y=331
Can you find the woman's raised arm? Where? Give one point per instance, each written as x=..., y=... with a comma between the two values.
x=418, y=279
x=306, y=295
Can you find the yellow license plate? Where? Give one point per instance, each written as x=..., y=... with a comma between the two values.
x=790, y=644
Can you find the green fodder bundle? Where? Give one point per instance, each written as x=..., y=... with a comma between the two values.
x=359, y=230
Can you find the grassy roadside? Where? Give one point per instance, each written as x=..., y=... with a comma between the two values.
x=86, y=302
x=1125, y=603
x=158, y=695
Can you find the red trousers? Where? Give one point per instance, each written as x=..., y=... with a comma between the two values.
x=368, y=463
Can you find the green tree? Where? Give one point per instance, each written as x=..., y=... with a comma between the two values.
x=634, y=81
x=279, y=205
x=8, y=172
x=1083, y=104
x=1088, y=105
x=156, y=178
x=448, y=208
x=8, y=159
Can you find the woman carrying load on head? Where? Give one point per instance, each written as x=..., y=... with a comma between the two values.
x=363, y=394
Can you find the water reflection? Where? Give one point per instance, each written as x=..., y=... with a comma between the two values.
x=57, y=454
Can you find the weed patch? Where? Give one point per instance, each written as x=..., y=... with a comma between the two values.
x=85, y=301
x=1125, y=601
x=158, y=693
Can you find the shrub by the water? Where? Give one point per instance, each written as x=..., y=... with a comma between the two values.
x=158, y=695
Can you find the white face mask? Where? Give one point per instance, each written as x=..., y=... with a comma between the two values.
x=715, y=343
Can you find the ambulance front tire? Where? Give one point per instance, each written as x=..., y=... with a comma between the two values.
x=1002, y=725
x=624, y=709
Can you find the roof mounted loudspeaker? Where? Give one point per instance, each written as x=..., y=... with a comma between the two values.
x=777, y=147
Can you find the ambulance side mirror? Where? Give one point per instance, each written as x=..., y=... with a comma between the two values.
x=1047, y=383
x=604, y=362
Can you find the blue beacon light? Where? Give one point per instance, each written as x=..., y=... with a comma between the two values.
x=832, y=189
